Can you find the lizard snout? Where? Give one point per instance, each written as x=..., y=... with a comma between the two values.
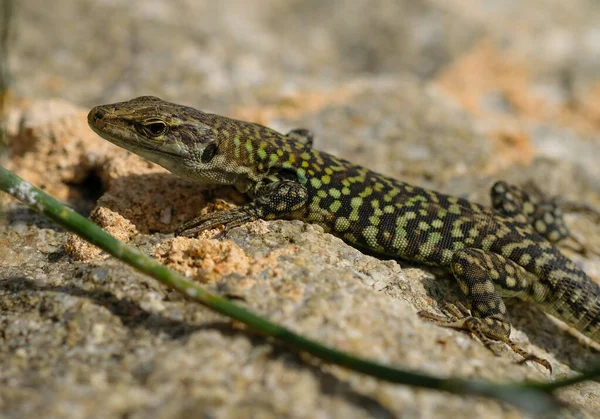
x=97, y=117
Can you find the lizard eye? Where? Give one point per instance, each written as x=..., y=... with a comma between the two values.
x=209, y=152
x=156, y=128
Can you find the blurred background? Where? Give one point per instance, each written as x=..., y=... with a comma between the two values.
x=523, y=74
x=222, y=52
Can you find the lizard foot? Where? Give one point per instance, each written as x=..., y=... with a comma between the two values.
x=229, y=218
x=458, y=317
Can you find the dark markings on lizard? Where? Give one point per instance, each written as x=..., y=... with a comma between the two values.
x=494, y=253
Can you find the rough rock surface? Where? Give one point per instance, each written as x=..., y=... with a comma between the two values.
x=450, y=95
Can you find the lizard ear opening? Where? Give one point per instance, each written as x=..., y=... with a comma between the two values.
x=209, y=152
x=287, y=174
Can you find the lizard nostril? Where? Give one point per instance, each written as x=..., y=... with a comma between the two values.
x=99, y=113
x=96, y=116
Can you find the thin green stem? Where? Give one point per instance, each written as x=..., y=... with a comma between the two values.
x=532, y=396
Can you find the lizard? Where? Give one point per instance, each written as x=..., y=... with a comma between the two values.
x=508, y=250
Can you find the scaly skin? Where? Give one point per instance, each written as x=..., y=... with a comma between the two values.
x=493, y=253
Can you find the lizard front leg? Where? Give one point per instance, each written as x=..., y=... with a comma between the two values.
x=483, y=277
x=272, y=201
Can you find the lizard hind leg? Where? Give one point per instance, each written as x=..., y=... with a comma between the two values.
x=543, y=214
x=479, y=275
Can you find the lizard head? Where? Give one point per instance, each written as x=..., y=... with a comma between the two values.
x=195, y=145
